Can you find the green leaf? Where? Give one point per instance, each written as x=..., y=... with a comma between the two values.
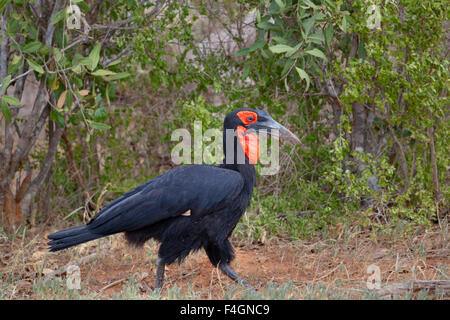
x=362, y=53
x=16, y=64
x=98, y=125
x=117, y=76
x=113, y=63
x=94, y=56
x=3, y=4
x=317, y=38
x=6, y=111
x=329, y=34
x=77, y=69
x=274, y=8
x=100, y=114
x=242, y=52
x=84, y=61
x=59, y=16
x=103, y=72
x=58, y=54
x=308, y=24
x=31, y=47
x=35, y=66
x=310, y=4
x=266, y=54
x=267, y=25
x=294, y=50
x=5, y=83
x=281, y=4
x=280, y=40
x=280, y=48
x=12, y=101
x=303, y=75
x=257, y=45
x=69, y=99
x=246, y=71
x=287, y=67
x=344, y=23
x=16, y=59
x=57, y=117
x=317, y=53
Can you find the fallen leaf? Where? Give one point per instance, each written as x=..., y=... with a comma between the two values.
x=61, y=99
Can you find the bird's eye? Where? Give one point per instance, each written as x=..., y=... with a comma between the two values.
x=250, y=118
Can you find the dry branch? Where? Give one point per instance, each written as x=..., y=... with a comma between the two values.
x=296, y=213
x=401, y=156
x=390, y=289
x=64, y=269
x=112, y=284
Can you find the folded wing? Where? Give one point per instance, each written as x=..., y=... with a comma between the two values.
x=200, y=188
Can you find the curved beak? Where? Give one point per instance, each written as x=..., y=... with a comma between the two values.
x=275, y=129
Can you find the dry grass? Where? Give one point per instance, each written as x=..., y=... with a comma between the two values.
x=315, y=269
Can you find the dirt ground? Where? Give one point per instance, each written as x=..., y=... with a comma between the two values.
x=332, y=268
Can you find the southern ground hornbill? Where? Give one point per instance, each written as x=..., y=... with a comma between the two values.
x=189, y=207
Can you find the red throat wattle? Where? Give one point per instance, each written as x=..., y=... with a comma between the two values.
x=249, y=144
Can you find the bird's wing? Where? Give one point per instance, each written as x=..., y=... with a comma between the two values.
x=202, y=188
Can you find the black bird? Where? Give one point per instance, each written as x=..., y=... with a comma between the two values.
x=189, y=207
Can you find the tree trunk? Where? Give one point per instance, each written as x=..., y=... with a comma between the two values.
x=434, y=171
x=359, y=127
x=21, y=137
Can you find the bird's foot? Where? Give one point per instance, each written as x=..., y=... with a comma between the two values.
x=226, y=269
x=160, y=267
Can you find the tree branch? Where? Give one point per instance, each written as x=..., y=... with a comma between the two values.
x=414, y=286
x=434, y=172
x=402, y=157
x=125, y=52
x=4, y=49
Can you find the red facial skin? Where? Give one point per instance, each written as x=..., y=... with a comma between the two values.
x=249, y=142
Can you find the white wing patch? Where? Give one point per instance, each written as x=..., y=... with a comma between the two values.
x=187, y=213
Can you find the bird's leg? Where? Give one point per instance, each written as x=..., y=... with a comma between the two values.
x=160, y=266
x=226, y=269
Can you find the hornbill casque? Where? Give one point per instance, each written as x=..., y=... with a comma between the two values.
x=189, y=207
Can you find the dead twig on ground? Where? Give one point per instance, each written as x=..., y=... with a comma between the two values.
x=79, y=262
x=297, y=213
x=415, y=285
x=112, y=284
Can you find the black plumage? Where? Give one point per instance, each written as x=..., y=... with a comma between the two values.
x=185, y=209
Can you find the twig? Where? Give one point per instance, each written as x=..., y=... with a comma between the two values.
x=329, y=272
x=63, y=270
x=415, y=285
x=147, y=287
x=4, y=50
x=401, y=156
x=297, y=213
x=125, y=52
x=112, y=284
x=183, y=276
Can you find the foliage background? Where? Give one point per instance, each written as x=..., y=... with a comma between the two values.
x=370, y=104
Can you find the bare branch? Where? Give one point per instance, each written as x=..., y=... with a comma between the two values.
x=401, y=154
x=51, y=27
x=125, y=52
x=434, y=172
x=4, y=50
x=414, y=286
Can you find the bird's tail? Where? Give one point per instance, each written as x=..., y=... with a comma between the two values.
x=67, y=238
